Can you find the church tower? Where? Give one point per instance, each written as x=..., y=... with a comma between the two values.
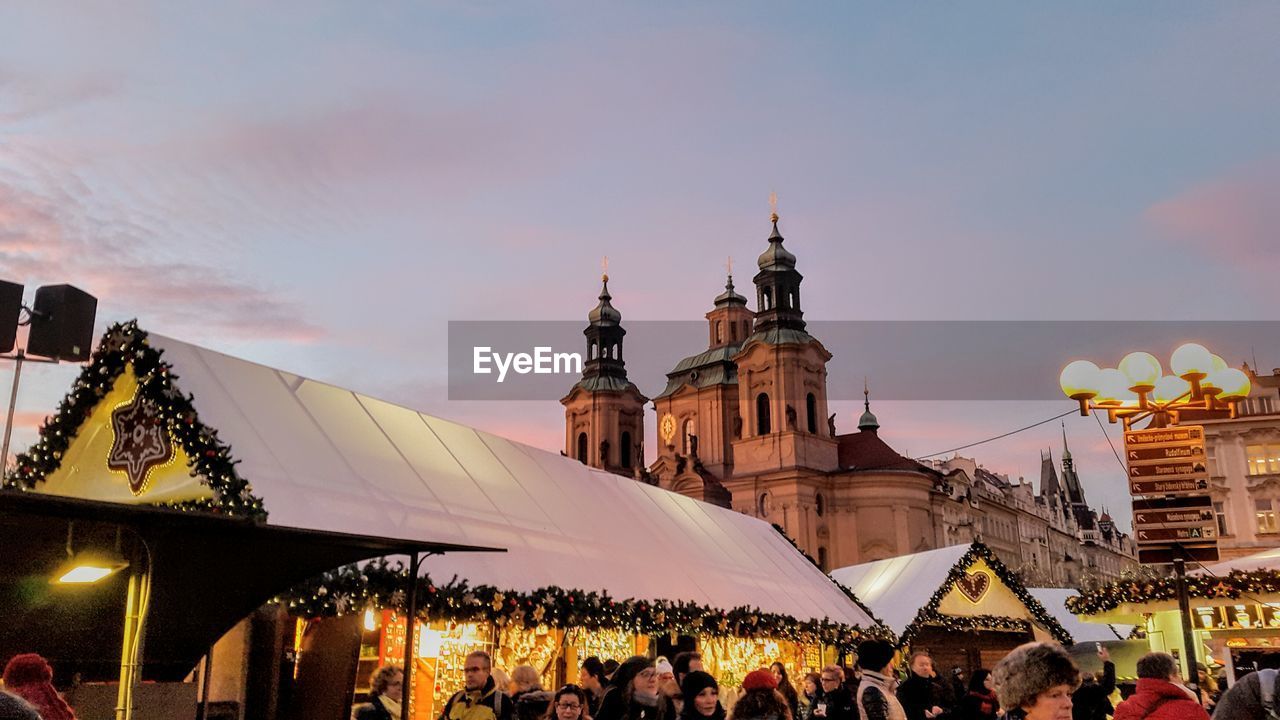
x=604, y=411
x=782, y=377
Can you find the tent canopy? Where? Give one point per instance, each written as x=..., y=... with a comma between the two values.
x=325, y=458
x=896, y=588
x=1054, y=601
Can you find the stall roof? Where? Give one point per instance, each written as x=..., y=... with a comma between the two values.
x=1054, y=601
x=326, y=458
x=896, y=588
x=1265, y=560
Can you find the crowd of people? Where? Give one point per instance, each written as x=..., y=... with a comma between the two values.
x=1036, y=681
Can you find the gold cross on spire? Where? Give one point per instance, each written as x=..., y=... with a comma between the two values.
x=604, y=269
x=773, y=206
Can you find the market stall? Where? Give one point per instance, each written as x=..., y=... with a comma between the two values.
x=976, y=609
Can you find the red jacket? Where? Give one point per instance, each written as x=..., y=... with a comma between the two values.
x=1160, y=700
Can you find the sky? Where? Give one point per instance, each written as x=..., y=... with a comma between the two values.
x=321, y=187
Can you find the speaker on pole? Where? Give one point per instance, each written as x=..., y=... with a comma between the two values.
x=10, y=308
x=62, y=323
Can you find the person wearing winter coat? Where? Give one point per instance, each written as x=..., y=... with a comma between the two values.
x=1035, y=682
x=980, y=702
x=633, y=692
x=836, y=702
x=812, y=691
x=1160, y=694
x=919, y=693
x=1092, y=701
x=761, y=699
x=1243, y=700
x=30, y=677
x=786, y=688
x=876, y=699
x=701, y=697
x=480, y=698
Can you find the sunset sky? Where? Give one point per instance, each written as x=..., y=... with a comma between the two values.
x=323, y=186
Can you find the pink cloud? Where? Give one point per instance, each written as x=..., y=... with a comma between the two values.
x=1233, y=218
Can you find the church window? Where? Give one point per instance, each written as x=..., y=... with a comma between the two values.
x=762, y=505
x=719, y=332
x=762, y=414
x=811, y=412
x=733, y=332
x=582, y=448
x=625, y=451
x=615, y=352
x=820, y=504
x=766, y=299
x=822, y=558
x=687, y=431
x=595, y=351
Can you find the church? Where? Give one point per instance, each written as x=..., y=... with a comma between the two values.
x=744, y=424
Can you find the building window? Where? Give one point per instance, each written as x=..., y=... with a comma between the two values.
x=766, y=298
x=625, y=451
x=582, y=447
x=820, y=504
x=686, y=434
x=811, y=412
x=1219, y=512
x=719, y=332
x=1263, y=459
x=822, y=558
x=1266, y=515
x=733, y=332
x=762, y=414
x=762, y=505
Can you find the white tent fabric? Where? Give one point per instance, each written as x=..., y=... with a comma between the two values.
x=325, y=458
x=1265, y=560
x=896, y=588
x=1054, y=601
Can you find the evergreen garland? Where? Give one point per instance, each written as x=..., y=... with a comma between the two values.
x=209, y=458
x=1133, y=590
x=930, y=616
x=381, y=585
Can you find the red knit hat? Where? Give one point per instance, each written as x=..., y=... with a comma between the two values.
x=760, y=680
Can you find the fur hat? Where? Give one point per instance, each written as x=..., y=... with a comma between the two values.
x=760, y=680
x=1030, y=670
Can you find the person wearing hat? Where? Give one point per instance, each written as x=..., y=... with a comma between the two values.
x=633, y=692
x=669, y=689
x=29, y=677
x=876, y=697
x=701, y=695
x=761, y=699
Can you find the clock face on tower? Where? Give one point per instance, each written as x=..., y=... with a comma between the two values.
x=668, y=428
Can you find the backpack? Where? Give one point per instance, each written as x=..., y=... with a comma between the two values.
x=1267, y=687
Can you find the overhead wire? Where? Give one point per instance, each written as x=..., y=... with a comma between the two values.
x=997, y=437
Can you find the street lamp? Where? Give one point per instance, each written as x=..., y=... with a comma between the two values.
x=1138, y=388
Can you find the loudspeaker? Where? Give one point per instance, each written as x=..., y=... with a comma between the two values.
x=10, y=308
x=62, y=323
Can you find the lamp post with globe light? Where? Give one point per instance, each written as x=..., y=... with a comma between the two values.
x=1200, y=385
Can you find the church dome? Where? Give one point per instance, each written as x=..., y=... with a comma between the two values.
x=605, y=313
x=776, y=257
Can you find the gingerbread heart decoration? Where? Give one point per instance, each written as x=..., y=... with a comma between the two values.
x=974, y=585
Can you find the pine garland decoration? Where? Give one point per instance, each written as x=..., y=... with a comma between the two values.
x=1137, y=590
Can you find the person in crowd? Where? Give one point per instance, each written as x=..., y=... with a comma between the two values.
x=979, y=701
x=852, y=679
x=685, y=663
x=633, y=692
x=531, y=701
x=760, y=699
x=1208, y=687
x=701, y=697
x=30, y=677
x=1092, y=701
x=786, y=688
x=959, y=687
x=669, y=689
x=1161, y=694
x=812, y=692
x=1035, y=682
x=835, y=701
x=569, y=703
x=480, y=698
x=592, y=679
x=13, y=707
x=610, y=668
x=876, y=699
x=524, y=679
x=919, y=694
x=1255, y=696
x=386, y=692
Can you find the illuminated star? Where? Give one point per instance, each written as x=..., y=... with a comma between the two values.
x=140, y=442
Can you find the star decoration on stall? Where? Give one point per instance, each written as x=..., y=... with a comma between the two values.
x=141, y=442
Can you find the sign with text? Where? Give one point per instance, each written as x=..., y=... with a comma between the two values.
x=1177, y=512
x=1199, y=533
x=1181, y=486
x=1172, y=508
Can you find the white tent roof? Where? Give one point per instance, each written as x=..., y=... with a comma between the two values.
x=1265, y=560
x=325, y=458
x=896, y=588
x=1054, y=601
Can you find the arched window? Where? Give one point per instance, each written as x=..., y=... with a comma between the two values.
x=811, y=412
x=733, y=332
x=820, y=504
x=595, y=351
x=686, y=430
x=763, y=426
x=582, y=448
x=615, y=352
x=822, y=559
x=719, y=331
x=766, y=298
x=625, y=451
x=791, y=303
x=762, y=505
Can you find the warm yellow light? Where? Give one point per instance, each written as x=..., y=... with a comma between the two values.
x=430, y=642
x=1079, y=380
x=1191, y=360
x=1142, y=369
x=1113, y=389
x=84, y=574
x=1234, y=384
x=370, y=620
x=1169, y=388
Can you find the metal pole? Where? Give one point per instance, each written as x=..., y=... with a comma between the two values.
x=13, y=402
x=1188, y=629
x=409, y=638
